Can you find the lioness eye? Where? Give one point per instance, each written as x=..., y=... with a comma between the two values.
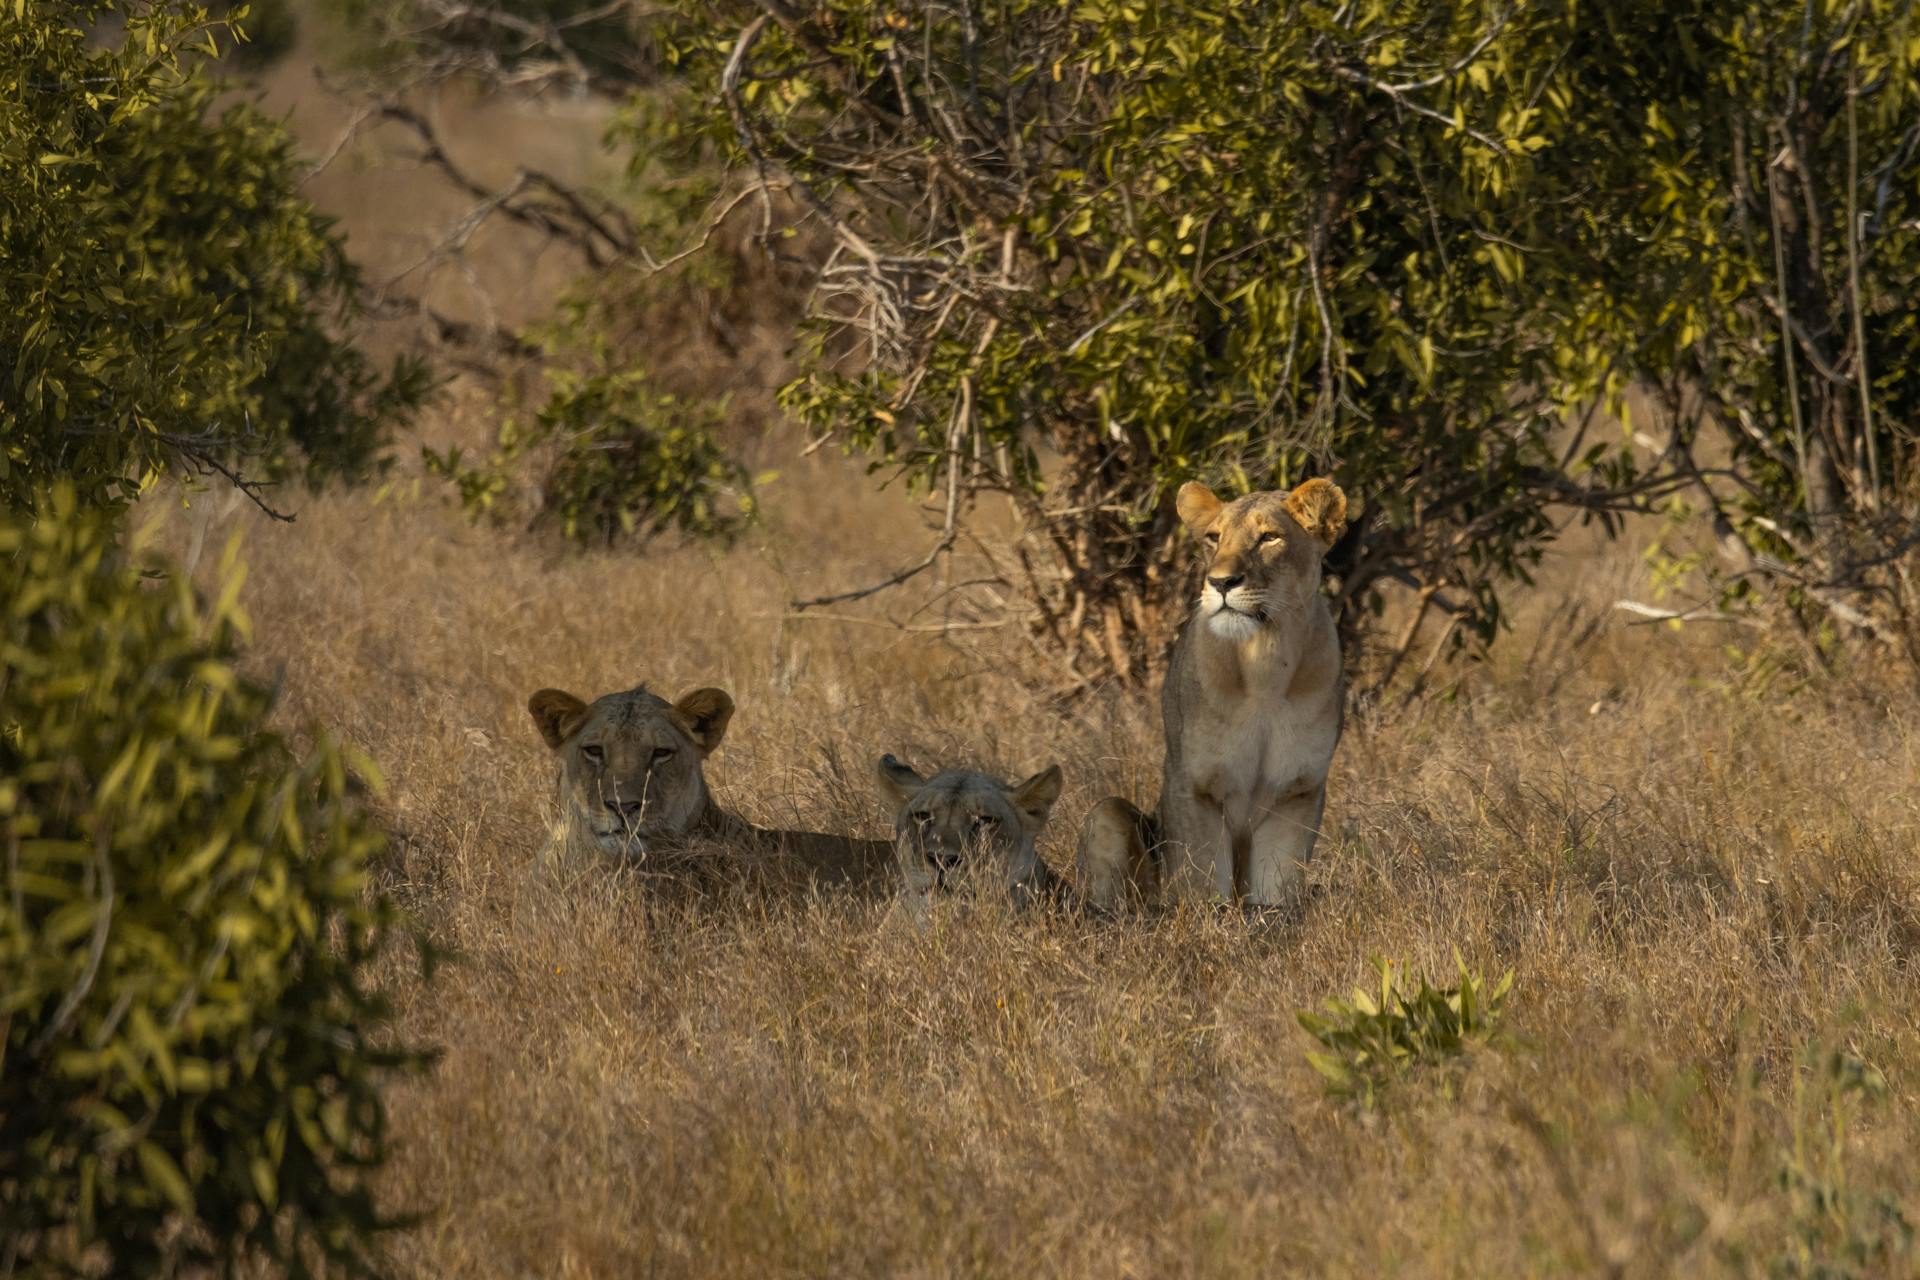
x=1269, y=536
x=661, y=753
x=921, y=816
x=1213, y=539
x=593, y=754
x=985, y=822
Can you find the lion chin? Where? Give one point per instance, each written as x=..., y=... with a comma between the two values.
x=630, y=845
x=1233, y=625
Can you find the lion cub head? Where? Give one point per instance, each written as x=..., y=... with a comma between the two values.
x=1263, y=552
x=961, y=831
x=630, y=763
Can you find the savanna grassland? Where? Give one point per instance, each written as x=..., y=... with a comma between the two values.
x=1696, y=853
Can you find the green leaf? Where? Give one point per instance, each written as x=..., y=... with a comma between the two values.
x=165, y=1177
x=266, y=1183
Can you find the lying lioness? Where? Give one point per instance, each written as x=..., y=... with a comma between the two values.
x=961, y=831
x=1252, y=709
x=632, y=782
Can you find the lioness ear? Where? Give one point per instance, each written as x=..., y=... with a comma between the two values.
x=557, y=715
x=898, y=782
x=1320, y=508
x=1197, y=506
x=705, y=713
x=1034, y=798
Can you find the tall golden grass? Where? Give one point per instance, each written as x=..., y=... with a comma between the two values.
x=1698, y=881
x=1703, y=879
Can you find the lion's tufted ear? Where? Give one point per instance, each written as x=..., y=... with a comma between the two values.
x=1321, y=509
x=898, y=782
x=557, y=714
x=1197, y=507
x=1034, y=798
x=705, y=713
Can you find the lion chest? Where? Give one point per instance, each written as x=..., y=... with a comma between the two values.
x=1246, y=762
x=1247, y=736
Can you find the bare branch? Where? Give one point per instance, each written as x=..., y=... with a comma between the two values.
x=603, y=235
x=1460, y=64
x=352, y=130
x=1400, y=97
x=1652, y=613
x=892, y=580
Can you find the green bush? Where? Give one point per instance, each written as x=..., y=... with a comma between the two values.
x=1839, y=1228
x=1082, y=253
x=607, y=458
x=172, y=302
x=1372, y=1040
x=1074, y=255
x=1085, y=253
x=190, y=1040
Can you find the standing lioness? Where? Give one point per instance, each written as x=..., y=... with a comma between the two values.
x=1252, y=709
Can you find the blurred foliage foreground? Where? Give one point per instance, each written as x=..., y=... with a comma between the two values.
x=190, y=1043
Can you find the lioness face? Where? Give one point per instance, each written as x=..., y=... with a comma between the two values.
x=960, y=831
x=1263, y=551
x=630, y=762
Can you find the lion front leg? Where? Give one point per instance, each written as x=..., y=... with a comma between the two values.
x=1196, y=860
x=1280, y=847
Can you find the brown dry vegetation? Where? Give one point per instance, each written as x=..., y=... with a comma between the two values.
x=1696, y=873
x=1692, y=880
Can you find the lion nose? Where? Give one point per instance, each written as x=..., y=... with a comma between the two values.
x=1226, y=582
x=944, y=859
x=627, y=809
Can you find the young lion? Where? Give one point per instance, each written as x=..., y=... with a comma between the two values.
x=631, y=782
x=961, y=830
x=1252, y=709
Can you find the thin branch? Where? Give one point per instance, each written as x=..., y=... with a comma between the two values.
x=1461, y=64
x=1802, y=339
x=96, y=949
x=1652, y=614
x=1368, y=82
x=1786, y=333
x=1853, y=283
x=950, y=527
x=917, y=628
x=352, y=130
x=603, y=236
x=207, y=463
x=893, y=580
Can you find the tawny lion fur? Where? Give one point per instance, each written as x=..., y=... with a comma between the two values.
x=1252, y=712
x=960, y=831
x=632, y=784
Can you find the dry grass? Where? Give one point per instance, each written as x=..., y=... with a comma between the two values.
x=1695, y=875
x=1693, y=884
